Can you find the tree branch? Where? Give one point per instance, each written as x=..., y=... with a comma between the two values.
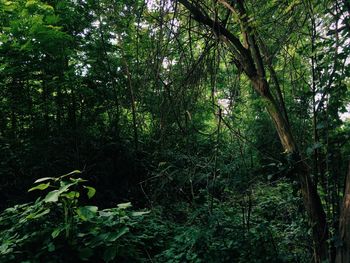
x=243, y=55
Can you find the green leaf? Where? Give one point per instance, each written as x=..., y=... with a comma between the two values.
x=124, y=205
x=292, y=5
x=140, y=213
x=72, y=194
x=52, y=196
x=87, y=212
x=77, y=180
x=65, y=187
x=39, y=187
x=115, y=235
x=38, y=214
x=73, y=172
x=56, y=232
x=91, y=191
x=51, y=247
x=44, y=179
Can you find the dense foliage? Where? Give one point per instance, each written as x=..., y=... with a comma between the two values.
x=150, y=104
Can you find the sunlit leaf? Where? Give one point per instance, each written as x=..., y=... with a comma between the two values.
x=73, y=172
x=39, y=187
x=52, y=196
x=124, y=205
x=44, y=179
x=91, y=191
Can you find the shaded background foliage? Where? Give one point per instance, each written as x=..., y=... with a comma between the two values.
x=152, y=107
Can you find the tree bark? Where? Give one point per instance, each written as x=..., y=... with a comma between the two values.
x=343, y=251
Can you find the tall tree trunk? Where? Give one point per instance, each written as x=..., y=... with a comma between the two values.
x=311, y=199
x=343, y=251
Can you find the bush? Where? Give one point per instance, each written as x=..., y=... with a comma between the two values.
x=57, y=228
x=60, y=227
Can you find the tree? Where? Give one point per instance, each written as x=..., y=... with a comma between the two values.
x=251, y=56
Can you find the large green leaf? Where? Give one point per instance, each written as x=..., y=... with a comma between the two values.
x=52, y=196
x=39, y=187
x=87, y=212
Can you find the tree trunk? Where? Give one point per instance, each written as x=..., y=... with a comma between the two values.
x=311, y=199
x=343, y=251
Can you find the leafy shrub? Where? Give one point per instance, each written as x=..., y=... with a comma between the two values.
x=60, y=227
x=221, y=233
x=57, y=228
